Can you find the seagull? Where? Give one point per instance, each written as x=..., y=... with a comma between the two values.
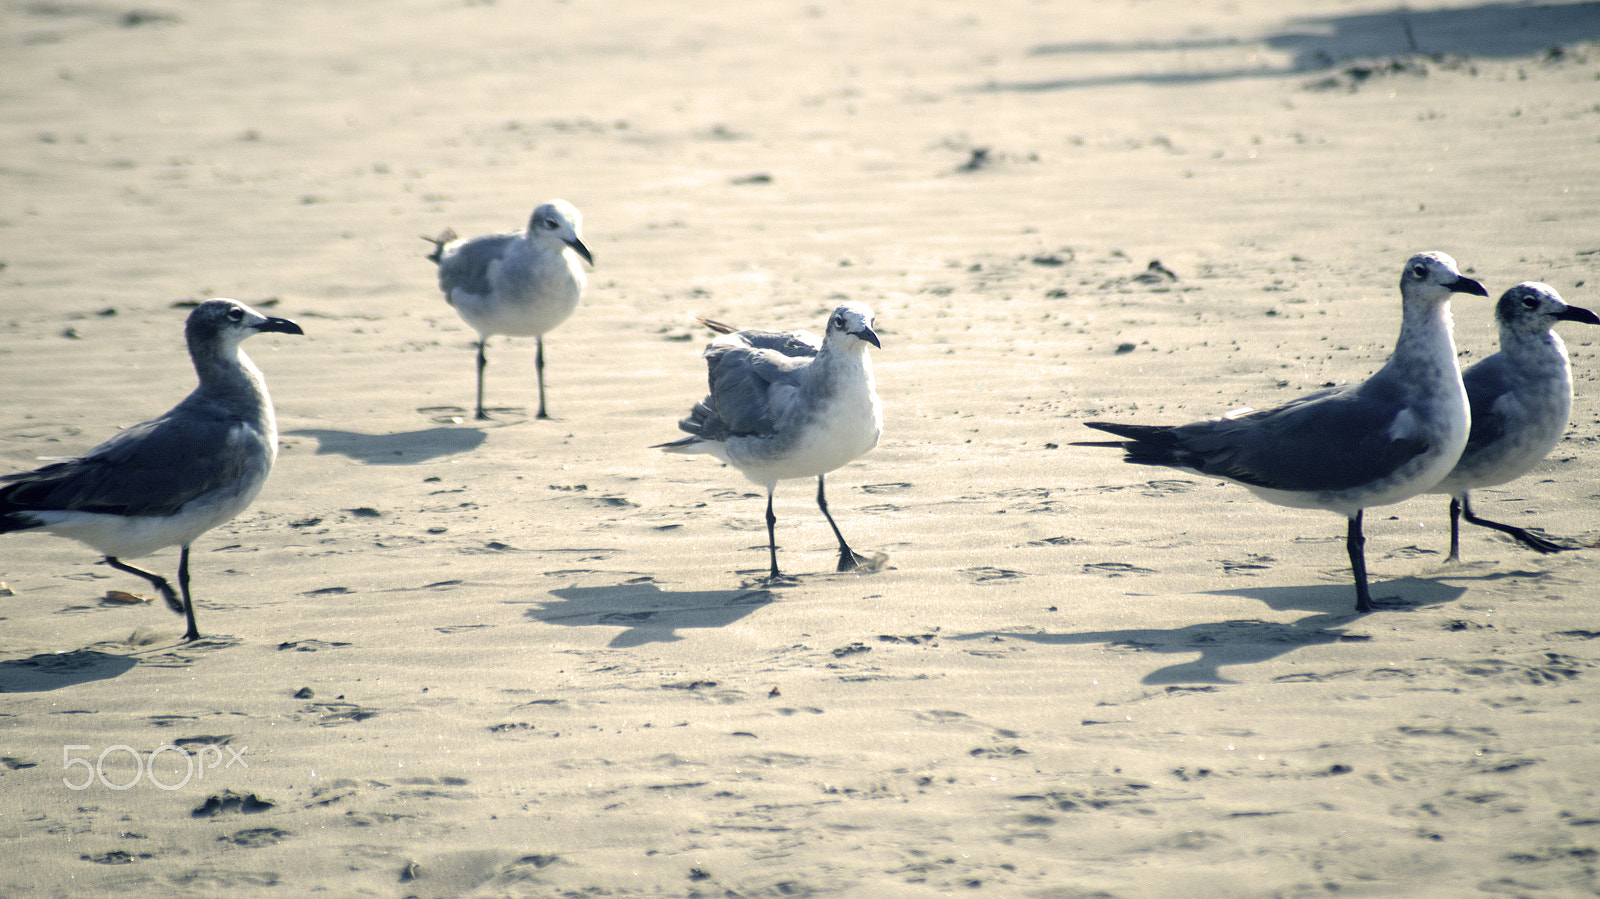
x=515, y=284
x=1520, y=399
x=787, y=405
x=1371, y=444
x=169, y=480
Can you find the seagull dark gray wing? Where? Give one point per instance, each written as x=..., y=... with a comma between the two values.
x=1487, y=382
x=151, y=469
x=751, y=388
x=1332, y=440
x=789, y=343
x=467, y=266
x=1335, y=441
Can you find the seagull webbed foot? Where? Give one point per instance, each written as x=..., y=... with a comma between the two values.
x=1537, y=543
x=850, y=560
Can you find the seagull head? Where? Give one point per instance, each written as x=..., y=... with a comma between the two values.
x=561, y=221
x=1535, y=307
x=227, y=322
x=853, y=320
x=1433, y=277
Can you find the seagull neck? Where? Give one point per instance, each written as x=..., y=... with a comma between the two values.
x=1543, y=344
x=1425, y=331
x=841, y=371
x=841, y=351
x=226, y=370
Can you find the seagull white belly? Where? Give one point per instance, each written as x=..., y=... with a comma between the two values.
x=132, y=536
x=831, y=442
x=1534, y=425
x=515, y=317
x=522, y=302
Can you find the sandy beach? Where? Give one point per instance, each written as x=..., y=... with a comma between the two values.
x=515, y=657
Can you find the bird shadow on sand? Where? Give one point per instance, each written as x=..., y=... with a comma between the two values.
x=1219, y=643
x=1404, y=594
x=405, y=448
x=54, y=670
x=647, y=613
x=1497, y=30
x=1250, y=641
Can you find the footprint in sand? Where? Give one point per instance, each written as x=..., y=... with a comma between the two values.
x=255, y=837
x=190, y=652
x=1552, y=668
x=913, y=639
x=989, y=575
x=334, y=714
x=309, y=645
x=1247, y=566
x=116, y=857
x=1115, y=569
x=1055, y=541
x=228, y=802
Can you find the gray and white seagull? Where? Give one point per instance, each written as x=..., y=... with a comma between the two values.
x=516, y=284
x=1520, y=399
x=1382, y=441
x=169, y=480
x=786, y=405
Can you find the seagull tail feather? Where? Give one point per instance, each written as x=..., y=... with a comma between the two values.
x=1144, y=444
x=685, y=445
x=716, y=326
x=17, y=521
x=445, y=237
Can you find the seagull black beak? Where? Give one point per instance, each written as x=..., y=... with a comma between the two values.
x=1467, y=285
x=870, y=336
x=1575, y=314
x=577, y=244
x=280, y=325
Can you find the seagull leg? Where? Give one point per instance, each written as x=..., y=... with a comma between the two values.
x=772, y=538
x=156, y=581
x=193, y=633
x=482, y=361
x=1455, y=530
x=1526, y=538
x=1356, y=543
x=848, y=560
x=538, y=367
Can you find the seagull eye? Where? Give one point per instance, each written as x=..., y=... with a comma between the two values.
x=551, y=224
x=1530, y=303
x=1419, y=271
x=235, y=314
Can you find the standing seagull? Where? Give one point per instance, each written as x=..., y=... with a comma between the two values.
x=1520, y=399
x=1370, y=444
x=785, y=405
x=169, y=480
x=515, y=284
